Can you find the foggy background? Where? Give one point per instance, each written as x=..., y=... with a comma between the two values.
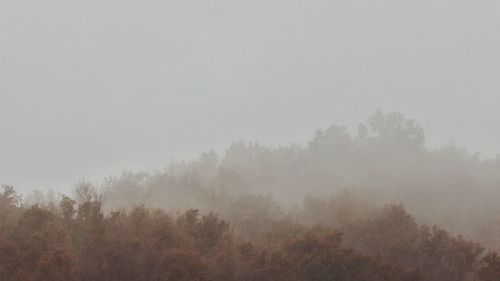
x=88, y=88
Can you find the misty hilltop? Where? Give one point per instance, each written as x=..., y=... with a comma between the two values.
x=385, y=160
x=372, y=204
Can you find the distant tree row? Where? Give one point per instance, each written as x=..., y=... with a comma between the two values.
x=386, y=159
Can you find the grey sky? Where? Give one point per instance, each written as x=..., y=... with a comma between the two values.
x=88, y=88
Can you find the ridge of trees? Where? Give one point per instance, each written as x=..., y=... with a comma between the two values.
x=386, y=159
x=327, y=210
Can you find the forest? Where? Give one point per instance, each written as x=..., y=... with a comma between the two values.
x=375, y=204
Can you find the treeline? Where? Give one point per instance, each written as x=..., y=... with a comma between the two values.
x=326, y=210
x=385, y=160
x=75, y=240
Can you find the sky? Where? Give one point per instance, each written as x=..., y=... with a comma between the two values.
x=90, y=88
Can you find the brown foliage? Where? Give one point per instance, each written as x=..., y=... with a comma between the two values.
x=79, y=242
x=490, y=267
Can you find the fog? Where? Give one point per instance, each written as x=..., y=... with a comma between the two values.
x=90, y=88
x=250, y=140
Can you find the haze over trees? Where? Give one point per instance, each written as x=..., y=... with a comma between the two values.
x=384, y=160
x=373, y=204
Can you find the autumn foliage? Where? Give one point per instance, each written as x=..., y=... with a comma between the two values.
x=76, y=240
